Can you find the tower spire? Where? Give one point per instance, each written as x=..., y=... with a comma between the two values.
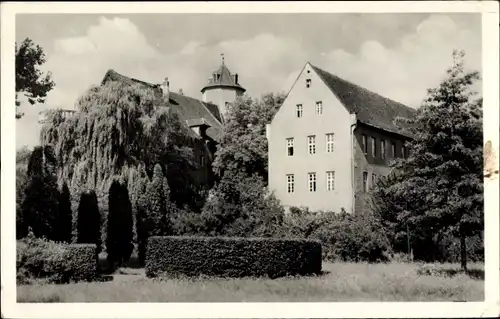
x=222, y=57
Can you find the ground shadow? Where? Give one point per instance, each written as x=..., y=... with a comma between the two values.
x=477, y=274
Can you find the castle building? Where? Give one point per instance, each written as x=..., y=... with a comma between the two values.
x=204, y=117
x=222, y=89
x=330, y=140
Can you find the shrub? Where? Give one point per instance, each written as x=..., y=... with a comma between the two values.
x=232, y=257
x=241, y=206
x=42, y=260
x=346, y=237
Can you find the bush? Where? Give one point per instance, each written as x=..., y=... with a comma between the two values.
x=50, y=262
x=346, y=237
x=232, y=257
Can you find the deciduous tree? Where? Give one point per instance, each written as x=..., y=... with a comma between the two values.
x=29, y=79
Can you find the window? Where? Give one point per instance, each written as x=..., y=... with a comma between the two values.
x=311, y=142
x=382, y=149
x=290, y=183
x=393, y=150
x=319, y=108
x=202, y=160
x=312, y=182
x=403, y=151
x=329, y=143
x=289, y=146
x=308, y=83
x=364, y=145
x=299, y=110
x=374, y=146
x=365, y=181
x=330, y=181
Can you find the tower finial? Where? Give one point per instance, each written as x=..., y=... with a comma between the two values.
x=222, y=56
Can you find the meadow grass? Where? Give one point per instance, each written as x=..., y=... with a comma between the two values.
x=341, y=282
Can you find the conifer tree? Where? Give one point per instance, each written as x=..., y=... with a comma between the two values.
x=89, y=220
x=64, y=221
x=141, y=215
x=40, y=205
x=441, y=181
x=119, y=229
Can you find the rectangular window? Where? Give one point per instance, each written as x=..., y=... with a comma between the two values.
x=312, y=182
x=364, y=145
x=299, y=110
x=365, y=181
x=382, y=149
x=319, y=108
x=308, y=83
x=330, y=181
x=202, y=160
x=393, y=150
x=329, y=143
x=290, y=183
x=403, y=151
x=311, y=142
x=374, y=146
x=289, y=146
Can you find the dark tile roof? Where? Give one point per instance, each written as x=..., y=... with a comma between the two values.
x=223, y=78
x=371, y=108
x=189, y=109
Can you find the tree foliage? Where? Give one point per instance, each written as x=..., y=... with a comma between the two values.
x=29, y=79
x=241, y=206
x=117, y=129
x=40, y=208
x=89, y=220
x=119, y=244
x=439, y=187
x=64, y=221
x=22, y=158
x=243, y=145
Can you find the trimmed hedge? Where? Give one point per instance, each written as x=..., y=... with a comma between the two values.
x=40, y=260
x=82, y=261
x=231, y=257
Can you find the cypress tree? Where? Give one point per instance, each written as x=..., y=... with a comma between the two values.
x=141, y=215
x=119, y=231
x=64, y=222
x=40, y=206
x=89, y=220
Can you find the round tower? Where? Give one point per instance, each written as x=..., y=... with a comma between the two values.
x=222, y=88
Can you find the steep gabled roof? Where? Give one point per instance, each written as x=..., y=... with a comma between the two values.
x=189, y=109
x=370, y=108
x=223, y=78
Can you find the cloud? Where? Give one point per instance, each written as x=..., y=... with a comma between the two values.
x=265, y=62
x=418, y=62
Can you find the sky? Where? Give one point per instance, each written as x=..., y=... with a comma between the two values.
x=397, y=55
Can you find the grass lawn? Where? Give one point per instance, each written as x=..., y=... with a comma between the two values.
x=341, y=282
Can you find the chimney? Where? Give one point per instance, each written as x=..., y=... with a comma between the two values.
x=181, y=92
x=236, y=78
x=165, y=87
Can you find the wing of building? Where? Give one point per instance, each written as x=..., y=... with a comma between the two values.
x=330, y=141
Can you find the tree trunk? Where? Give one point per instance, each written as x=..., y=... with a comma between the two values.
x=463, y=251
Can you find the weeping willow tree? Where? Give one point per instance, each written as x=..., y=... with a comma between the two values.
x=117, y=129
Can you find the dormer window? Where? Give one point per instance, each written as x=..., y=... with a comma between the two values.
x=308, y=83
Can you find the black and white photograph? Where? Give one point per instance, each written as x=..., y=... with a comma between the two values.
x=217, y=154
